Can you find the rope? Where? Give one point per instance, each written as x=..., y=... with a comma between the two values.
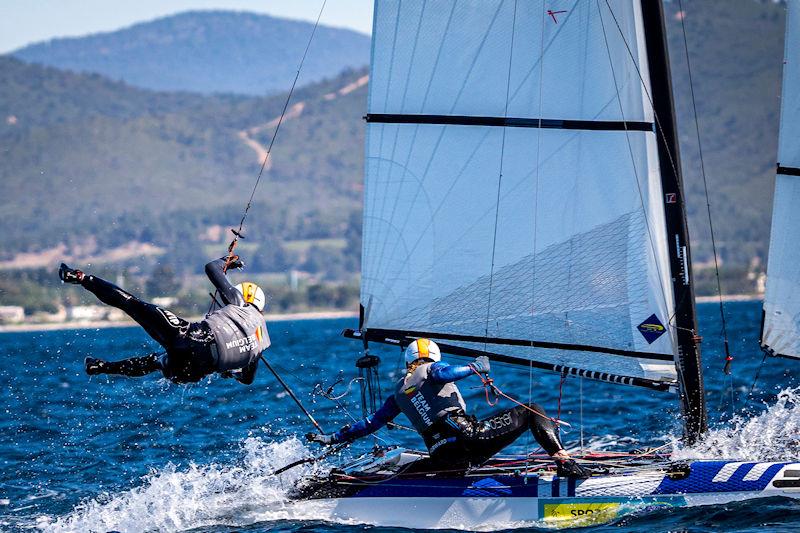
x=238, y=233
x=561, y=392
x=488, y=384
x=728, y=356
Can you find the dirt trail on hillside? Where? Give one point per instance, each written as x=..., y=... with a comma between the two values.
x=248, y=135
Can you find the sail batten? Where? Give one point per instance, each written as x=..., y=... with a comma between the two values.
x=781, y=325
x=512, y=122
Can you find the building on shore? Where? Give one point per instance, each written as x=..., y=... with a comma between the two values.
x=11, y=314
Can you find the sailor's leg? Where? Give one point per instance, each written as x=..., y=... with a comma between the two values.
x=498, y=431
x=133, y=368
x=161, y=324
x=543, y=428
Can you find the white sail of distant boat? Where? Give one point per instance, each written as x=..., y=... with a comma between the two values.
x=518, y=191
x=781, y=322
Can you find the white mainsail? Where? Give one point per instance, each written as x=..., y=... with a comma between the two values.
x=513, y=194
x=781, y=329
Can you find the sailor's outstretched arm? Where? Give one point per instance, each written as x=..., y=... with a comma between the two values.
x=371, y=424
x=443, y=373
x=215, y=270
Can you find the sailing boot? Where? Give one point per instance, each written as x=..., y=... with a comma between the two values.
x=69, y=275
x=133, y=368
x=94, y=366
x=569, y=468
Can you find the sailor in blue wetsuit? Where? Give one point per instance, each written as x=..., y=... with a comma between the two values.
x=229, y=340
x=428, y=396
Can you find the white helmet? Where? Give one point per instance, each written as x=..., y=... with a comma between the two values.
x=252, y=294
x=423, y=349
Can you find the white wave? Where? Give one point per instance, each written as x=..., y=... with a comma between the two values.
x=198, y=496
x=769, y=436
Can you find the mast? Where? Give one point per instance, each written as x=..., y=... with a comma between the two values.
x=690, y=373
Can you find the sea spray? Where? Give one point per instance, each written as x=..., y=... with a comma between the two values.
x=772, y=435
x=173, y=499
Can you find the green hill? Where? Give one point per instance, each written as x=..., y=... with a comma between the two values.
x=736, y=52
x=95, y=164
x=207, y=52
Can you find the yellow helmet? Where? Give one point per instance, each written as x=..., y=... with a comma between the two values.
x=253, y=294
x=422, y=349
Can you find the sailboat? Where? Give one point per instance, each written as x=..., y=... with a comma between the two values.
x=523, y=200
x=780, y=325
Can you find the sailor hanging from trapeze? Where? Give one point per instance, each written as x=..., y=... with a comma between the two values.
x=229, y=340
x=428, y=396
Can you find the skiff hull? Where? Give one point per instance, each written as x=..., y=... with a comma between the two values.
x=473, y=502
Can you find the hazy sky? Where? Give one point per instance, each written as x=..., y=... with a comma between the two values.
x=26, y=21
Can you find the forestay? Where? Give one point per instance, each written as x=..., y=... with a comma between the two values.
x=781, y=329
x=513, y=199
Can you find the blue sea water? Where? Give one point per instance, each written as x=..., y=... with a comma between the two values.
x=110, y=453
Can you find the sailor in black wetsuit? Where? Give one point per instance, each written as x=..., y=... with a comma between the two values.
x=428, y=396
x=229, y=340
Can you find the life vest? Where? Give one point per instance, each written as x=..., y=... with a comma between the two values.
x=240, y=335
x=425, y=402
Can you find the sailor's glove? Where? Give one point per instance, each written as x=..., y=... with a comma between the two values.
x=235, y=262
x=320, y=438
x=481, y=365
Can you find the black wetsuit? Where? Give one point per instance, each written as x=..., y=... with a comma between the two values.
x=188, y=345
x=469, y=441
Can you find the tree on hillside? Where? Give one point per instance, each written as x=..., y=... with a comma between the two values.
x=162, y=282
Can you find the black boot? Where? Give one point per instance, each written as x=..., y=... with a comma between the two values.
x=69, y=275
x=569, y=468
x=94, y=366
x=133, y=368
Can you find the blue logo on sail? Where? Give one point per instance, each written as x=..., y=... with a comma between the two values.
x=651, y=329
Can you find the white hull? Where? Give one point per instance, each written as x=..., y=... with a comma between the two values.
x=503, y=501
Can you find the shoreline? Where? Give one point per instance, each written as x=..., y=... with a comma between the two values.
x=103, y=324
x=278, y=317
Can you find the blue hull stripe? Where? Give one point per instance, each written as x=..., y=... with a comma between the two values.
x=701, y=479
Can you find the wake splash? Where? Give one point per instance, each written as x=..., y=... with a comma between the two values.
x=244, y=493
x=201, y=496
x=773, y=435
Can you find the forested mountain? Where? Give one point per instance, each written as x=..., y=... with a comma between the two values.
x=208, y=52
x=736, y=53
x=94, y=164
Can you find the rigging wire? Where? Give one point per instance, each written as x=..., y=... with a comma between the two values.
x=728, y=356
x=500, y=180
x=580, y=394
x=630, y=144
x=238, y=233
x=529, y=438
x=758, y=373
x=659, y=129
